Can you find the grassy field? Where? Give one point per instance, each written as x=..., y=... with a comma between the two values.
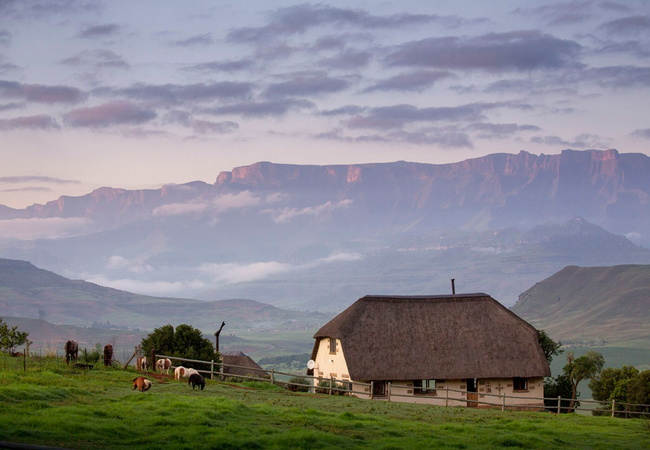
x=54, y=405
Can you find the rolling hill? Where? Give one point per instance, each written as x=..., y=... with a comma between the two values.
x=592, y=305
x=27, y=291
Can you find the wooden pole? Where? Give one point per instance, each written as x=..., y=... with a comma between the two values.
x=137, y=358
x=331, y=382
x=613, y=407
x=372, y=389
x=24, y=360
x=272, y=376
x=503, y=402
x=127, y=363
x=447, y=396
x=212, y=369
x=388, y=392
x=559, y=404
x=153, y=359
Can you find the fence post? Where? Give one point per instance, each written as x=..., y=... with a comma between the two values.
x=559, y=404
x=447, y=396
x=613, y=407
x=137, y=358
x=212, y=369
x=331, y=381
x=221, y=377
x=272, y=376
x=372, y=389
x=24, y=360
x=503, y=402
x=388, y=392
x=153, y=359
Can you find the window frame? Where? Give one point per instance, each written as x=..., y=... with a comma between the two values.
x=517, y=384
x=333, y=341
x=423, y=387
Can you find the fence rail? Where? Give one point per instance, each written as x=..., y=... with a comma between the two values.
x=331, y=385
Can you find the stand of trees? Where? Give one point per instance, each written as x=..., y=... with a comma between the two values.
x=624, y=385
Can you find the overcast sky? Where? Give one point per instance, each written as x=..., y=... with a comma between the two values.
x=139, y=94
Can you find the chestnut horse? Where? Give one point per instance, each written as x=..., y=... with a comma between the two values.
x=71, y=351
x=108, y=355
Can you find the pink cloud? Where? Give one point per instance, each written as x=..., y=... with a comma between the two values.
x=37, y=122
x=120, y=112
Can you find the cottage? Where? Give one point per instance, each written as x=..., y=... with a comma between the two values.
x=424, y=344
x=247, y=367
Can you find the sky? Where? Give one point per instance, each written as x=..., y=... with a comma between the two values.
x=140, y=94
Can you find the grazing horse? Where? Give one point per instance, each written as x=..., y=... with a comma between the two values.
x=179, y=372
x=141, y=383
x=196, y=379
x=71, y=351
x=108, y=354
x=144, y=365
x=163, y=365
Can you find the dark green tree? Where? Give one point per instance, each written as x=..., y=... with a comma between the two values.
x=185, y=342
x=549, y=346
x=162, y=339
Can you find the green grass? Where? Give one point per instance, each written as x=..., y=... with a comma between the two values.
x=51, y=404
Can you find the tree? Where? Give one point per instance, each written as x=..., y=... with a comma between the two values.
x=185, y=342
x=10, y=338
x=549, y=346
x=577, y=369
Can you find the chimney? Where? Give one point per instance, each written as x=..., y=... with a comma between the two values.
x=453, y=286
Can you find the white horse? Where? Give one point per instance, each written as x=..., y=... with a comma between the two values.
x=163, y=365
x=183, y=372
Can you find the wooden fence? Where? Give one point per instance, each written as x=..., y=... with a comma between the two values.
x=332, y=385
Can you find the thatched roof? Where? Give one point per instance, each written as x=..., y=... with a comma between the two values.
x=240, y=359
x=435, y=337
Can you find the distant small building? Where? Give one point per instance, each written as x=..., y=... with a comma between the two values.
x=425, y=344
x=246, y=363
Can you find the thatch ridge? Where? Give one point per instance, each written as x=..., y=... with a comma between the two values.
x=459, y=336
x=237, y=358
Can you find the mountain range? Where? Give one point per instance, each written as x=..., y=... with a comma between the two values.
x=319, y=237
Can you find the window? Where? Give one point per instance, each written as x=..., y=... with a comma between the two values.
x=424, y=387
x=332, y=346
x=520, y=384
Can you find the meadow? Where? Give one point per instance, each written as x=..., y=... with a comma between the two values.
x=52, y=404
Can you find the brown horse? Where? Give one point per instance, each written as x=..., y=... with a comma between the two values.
x=71, y=351
x=108, y=354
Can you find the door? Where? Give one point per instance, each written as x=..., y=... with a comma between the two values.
x=379, y=389
x=472, y=396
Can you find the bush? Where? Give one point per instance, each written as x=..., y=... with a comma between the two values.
x=298, y=380
x=559, y=386
x=324, y=387
x=94, y=355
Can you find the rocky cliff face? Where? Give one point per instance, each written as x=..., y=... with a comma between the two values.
x=606, y=187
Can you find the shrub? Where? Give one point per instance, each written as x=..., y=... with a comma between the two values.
x=298, y=380
x=324, y=387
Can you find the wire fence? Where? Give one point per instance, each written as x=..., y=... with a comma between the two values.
x=332, y=385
